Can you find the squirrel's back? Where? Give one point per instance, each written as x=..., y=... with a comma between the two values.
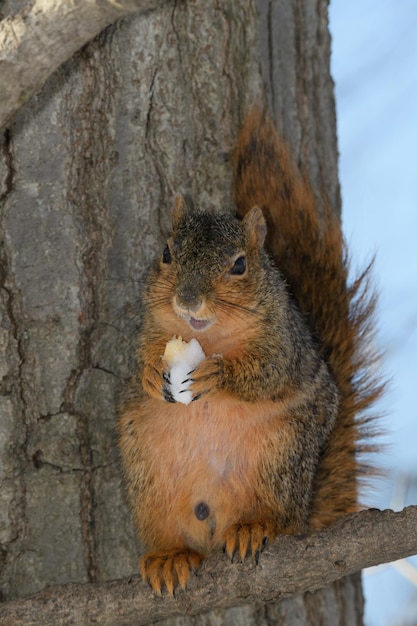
x=308, y=248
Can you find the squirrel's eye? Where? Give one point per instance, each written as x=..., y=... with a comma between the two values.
x=239, y=266
x=166, y=255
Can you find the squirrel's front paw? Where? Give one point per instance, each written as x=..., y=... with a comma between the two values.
x=169, y=569
x=155, y=381
x=207, y=378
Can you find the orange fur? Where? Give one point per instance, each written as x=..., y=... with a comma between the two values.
x=217, y=461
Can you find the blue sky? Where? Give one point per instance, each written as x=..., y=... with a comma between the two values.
x=374, y=65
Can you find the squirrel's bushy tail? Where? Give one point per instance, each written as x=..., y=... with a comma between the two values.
x=309, y=250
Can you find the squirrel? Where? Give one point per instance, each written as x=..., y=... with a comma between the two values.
x=268, y=444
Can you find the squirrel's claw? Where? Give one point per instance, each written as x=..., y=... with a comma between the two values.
x=244, y=539
x=155, y=382
x=170, y=570
x=207, y=377
x=166, y=391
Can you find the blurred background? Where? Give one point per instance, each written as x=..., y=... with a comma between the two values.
x=374, y=66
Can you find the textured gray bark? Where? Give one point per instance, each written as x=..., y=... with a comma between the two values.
x=43, y=35
x=88, y=172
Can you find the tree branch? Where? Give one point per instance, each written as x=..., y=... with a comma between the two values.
x=46, y=33
x=290, y=566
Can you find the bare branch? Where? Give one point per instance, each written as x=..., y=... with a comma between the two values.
x=290, y=566
x=44, y=35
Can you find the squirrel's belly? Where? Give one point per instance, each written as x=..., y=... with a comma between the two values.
x=209, y=455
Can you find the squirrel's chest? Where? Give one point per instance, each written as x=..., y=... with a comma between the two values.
x=221, y=437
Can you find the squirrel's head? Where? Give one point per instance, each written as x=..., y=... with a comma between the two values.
x=211, y=265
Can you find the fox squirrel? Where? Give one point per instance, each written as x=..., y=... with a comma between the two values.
x=268, y=445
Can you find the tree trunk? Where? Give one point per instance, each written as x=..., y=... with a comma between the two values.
x=88, y=172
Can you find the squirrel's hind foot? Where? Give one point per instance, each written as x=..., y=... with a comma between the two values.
x=244, y=539
x=170, y=569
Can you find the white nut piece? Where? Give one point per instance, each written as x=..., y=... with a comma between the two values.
x=181, y=358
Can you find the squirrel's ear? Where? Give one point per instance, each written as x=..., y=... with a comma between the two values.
x=255, y=226
x=180, y=210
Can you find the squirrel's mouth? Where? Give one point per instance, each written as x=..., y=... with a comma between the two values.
x=198, y=324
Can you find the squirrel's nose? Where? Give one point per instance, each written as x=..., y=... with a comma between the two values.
x=188, y=297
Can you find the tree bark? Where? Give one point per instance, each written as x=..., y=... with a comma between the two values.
x=89, y=169
x=44, y=35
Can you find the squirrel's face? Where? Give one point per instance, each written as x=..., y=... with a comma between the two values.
x=209, y=268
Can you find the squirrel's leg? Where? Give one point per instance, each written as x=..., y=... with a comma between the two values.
x=170, y=568
x=155, y=374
